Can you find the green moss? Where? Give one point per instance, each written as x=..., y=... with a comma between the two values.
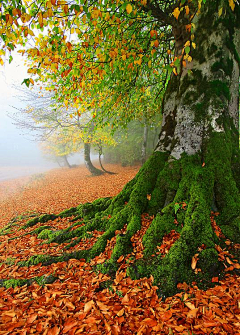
x=227, y=66
x=34, y=260
x=89, y=210
x=41, y=219
x=219, y=156
x=64, y=235
x=159, y=227
x=208, y=262
x=45, y=234
x=10, y=261
x=43, y=280
x=40, y=229
x=6, y=230
x=68, y=212
x=231, y=230
x=7, y=283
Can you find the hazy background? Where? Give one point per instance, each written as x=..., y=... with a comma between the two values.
x=19, y=154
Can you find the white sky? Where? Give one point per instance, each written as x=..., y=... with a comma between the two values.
x=16, y=148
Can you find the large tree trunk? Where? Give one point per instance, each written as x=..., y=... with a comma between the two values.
x=195, y=169
x=87, y=159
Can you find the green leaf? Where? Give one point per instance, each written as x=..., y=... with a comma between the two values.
x=26, y=82
x=176, y=207
x=187, y=50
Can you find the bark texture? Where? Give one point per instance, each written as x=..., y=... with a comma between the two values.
x=87, y=159
x=144, y=144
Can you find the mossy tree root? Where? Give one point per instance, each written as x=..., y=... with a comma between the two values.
x=181, y=195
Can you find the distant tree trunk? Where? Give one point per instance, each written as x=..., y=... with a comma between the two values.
x=100, y=160
x=66, y=162
x=144, y=144
x=87, y=159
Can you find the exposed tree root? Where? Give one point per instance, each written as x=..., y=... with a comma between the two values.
x=180, y=194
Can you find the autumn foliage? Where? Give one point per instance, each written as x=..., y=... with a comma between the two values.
x=84, y=301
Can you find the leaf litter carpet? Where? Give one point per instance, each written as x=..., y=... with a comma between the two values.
x=79, y=301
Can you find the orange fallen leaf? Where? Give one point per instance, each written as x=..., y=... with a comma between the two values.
x=194, y=261
x=189, y=305
x=54, y=331
x=192, y=313
x=102, y=306
x=69, y=325
x=90, y=320
x=121, y=312
x=32, y=318
x=125, y=299
x=166, y=316
x=150, y=322
x=120, y=259
x=211, y=324
x=215, y=280
x=88, y=306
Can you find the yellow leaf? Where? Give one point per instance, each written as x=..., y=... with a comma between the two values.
x=129, y=8
x=232, y=4
x=31, y=32
x=220, y=11
x=187, y=9
x=175, y=71
x=194, y=45
x=31, y=81
x=176, y=13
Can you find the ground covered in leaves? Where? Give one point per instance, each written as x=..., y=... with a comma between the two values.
x=83, y=301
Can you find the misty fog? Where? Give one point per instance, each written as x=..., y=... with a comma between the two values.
x=20, y=155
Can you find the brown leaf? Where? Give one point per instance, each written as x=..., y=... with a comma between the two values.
x=150, y=322
x=189, y=305
x=166, y=316
x=121, y=312
x=125, y=299
x=54, y=331
x=69, y=325
x=194, y=261
x=88, y=306
x=32, y=318
x=192, y=313
x=102, y=306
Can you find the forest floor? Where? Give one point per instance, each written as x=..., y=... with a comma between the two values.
x=79, y=301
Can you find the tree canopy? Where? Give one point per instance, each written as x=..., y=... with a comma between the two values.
x=107, y=56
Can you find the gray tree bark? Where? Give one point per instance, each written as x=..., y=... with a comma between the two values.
x=87, y=160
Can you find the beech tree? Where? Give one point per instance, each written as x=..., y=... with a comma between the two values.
x=191, y=51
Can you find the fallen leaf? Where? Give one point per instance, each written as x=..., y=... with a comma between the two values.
x=88, y=306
